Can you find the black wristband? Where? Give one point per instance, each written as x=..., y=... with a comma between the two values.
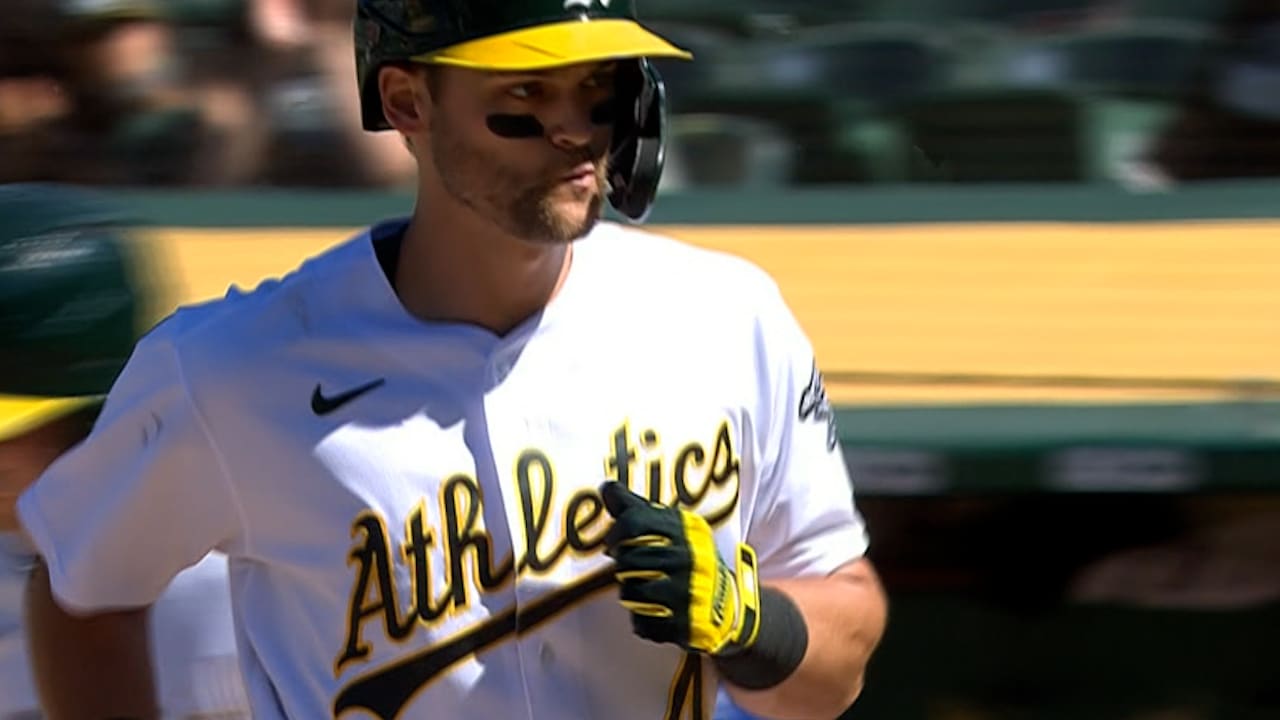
x=780, y=645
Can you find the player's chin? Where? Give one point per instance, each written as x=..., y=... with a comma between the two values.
x=576, y=204
x=571, y=219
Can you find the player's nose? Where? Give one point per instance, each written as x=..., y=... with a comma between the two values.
x=570, y=123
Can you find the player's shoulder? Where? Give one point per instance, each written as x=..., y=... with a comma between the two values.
x=680, y=266
x=267, y=312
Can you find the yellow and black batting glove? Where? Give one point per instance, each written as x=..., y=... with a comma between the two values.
x=673, y=580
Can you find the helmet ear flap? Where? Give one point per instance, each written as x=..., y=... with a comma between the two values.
x=638, y=151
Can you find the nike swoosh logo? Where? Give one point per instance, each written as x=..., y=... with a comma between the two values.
x=321, y=405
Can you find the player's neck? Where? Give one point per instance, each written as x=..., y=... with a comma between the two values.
x=455, y=269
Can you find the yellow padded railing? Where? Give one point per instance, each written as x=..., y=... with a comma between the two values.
x=1068, y=312
x=1147, y=310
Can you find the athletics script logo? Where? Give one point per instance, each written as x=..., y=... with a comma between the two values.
x=700, y=474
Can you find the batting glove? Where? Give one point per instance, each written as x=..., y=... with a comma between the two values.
x=673, y=581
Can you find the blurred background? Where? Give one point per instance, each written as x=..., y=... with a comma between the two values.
x=1141, y=93
x=1036, y=244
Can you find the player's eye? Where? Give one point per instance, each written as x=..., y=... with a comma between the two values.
x=602, y=79
x=525, y=91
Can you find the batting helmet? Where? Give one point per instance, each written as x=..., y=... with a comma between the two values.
x=507, y=35
x=71, y=303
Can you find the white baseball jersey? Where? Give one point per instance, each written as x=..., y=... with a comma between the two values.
x=411, y=508
x=17, y=691
x=191, y=632
x=725, y=709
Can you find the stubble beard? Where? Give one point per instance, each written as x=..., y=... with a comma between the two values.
x=521, y=207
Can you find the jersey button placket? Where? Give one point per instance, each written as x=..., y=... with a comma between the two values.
x=508, y=437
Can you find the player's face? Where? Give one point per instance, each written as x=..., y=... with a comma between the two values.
x=545, y=187
x=22, y=460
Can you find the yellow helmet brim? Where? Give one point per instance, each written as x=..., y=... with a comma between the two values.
x=20, y=414
x=556, y=45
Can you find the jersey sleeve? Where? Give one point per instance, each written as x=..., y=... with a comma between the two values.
x=143, y=497
x=805, y=521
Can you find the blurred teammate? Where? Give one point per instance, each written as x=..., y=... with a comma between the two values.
x=495, y=460
x=71, y=305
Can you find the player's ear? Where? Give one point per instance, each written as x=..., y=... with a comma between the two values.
x=404, y=99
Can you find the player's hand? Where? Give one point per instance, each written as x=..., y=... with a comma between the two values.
x=673, y=581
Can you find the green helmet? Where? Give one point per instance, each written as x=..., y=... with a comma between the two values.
x=110, y=10
x=505, y=35
x=71, y=304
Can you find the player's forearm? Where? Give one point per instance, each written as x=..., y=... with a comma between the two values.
x=88, y=668
x=844, y=615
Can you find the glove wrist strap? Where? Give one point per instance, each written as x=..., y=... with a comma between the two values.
x=746, y=621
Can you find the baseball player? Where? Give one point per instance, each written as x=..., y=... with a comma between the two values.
x=496, y=459
x=71, y=304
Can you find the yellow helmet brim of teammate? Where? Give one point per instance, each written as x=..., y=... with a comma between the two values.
x=556, y=45
x=21, y=414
